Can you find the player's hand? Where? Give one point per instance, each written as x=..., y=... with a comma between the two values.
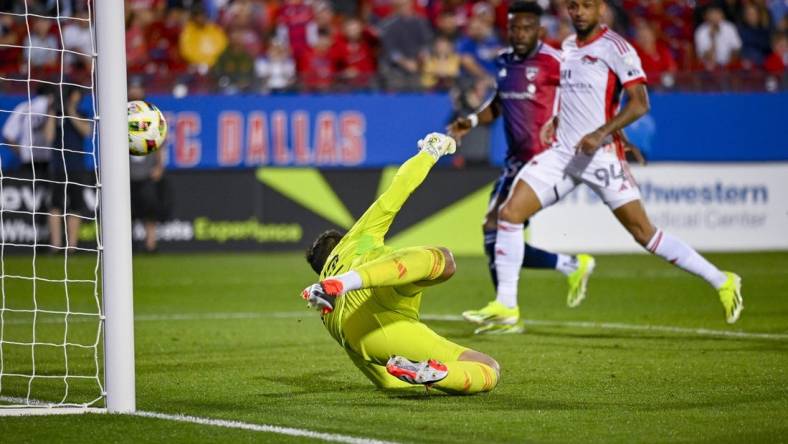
x=459, y=128
x=317, y=299
x=157, y=174
x=632, y=150
x=437, y=145
x=590, y=143
x=547, y=132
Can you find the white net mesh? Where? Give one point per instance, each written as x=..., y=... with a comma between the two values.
x=50, y=314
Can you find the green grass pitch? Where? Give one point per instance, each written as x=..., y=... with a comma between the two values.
x=563, y=381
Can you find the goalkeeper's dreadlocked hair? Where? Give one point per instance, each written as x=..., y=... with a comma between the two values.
x=317, y=254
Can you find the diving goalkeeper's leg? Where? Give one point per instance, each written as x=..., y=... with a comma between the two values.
x=418, y=266
x=473, y=372
x=408, y=351
x=408, y=270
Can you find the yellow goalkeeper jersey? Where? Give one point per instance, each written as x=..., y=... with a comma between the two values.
x=365, y=242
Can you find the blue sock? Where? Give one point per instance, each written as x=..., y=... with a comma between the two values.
x=536, y=258
x=489, y=251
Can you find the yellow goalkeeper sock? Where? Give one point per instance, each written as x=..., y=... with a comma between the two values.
x=402, y=267
x=468, y=377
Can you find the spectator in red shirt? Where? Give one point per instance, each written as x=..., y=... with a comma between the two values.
x=777, y=61
x=10, y=34
x=136, y=41
x=294, y=17
x=375, y=11
x=317, y=65
x=146, y=5
x=163, y=41
x=355, y=55
x=654, y=55
x=460, y=9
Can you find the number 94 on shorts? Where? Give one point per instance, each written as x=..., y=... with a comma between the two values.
x=555, y=173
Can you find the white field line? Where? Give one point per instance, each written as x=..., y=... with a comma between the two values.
x=434, y=317
x=607, y=273
x=35, y=407
x=290, y=431
x=631, y=327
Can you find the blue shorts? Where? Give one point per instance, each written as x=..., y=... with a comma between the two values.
x=504, y=183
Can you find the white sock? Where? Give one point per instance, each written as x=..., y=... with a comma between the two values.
x=509, y=252
x=678, y=253
x=566, y=264
x=350, y=281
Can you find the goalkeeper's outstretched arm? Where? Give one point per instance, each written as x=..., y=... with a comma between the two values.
x=378, y=218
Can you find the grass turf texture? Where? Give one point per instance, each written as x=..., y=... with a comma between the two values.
x=560, y=384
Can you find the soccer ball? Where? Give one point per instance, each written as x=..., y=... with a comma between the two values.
x=147, y=128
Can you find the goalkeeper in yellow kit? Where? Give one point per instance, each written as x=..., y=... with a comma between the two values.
x=369, y=295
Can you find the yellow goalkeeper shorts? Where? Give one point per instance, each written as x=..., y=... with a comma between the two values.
x=376, y=333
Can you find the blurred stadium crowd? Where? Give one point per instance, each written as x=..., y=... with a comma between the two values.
x=264, y=46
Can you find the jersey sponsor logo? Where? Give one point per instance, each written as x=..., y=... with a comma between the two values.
x=578, y=87
x=502, y=73
x=531, y=72
x=519, y=95
x=589, y=60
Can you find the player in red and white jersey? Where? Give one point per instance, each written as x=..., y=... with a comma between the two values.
x=597, y=65
x=593, y=75
x=526, y=91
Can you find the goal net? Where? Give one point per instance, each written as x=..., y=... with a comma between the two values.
x=52, y=311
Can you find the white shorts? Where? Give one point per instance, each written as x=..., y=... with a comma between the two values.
x=556, y=172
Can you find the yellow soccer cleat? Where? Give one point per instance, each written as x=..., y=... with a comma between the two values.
x=493, y=313
x=501, y=329
x=730, y=296
x=578, y=280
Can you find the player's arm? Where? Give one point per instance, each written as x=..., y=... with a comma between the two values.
x=12, y=126
x=637, y=106
x=486, y=114
x=378, y=218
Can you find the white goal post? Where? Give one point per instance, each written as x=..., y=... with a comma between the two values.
x=115, y=208
x=47, y=364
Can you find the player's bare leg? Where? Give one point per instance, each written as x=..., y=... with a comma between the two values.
x=634, y=218
x=150, y=236
x=72, y=228
x=55, y=221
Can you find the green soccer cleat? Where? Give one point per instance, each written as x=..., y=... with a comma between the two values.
x=500, y=329
x=578, y=280
x=730, y=296
x=493, y=313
